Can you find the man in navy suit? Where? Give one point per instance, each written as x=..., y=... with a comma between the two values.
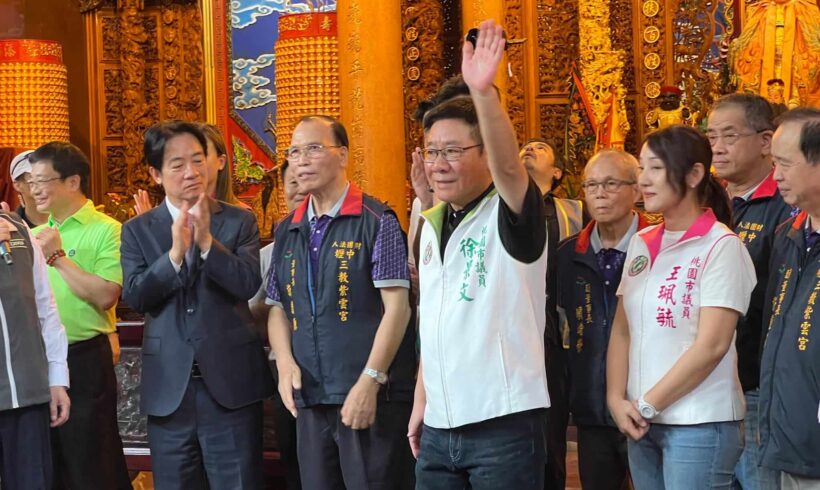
x=190, y=265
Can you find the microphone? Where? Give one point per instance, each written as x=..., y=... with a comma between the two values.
x=5, y=251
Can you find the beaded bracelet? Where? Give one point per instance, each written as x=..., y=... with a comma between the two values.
x=56, y=255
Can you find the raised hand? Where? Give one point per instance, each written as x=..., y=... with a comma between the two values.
x=142, y=203
x=182, y=235
x=418, y=178
x=480, y=64
x=200, y=216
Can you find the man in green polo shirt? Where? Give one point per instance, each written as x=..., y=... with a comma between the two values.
x=82, y=247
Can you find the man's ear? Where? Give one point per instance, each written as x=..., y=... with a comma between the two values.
x=344, y=153
x=155, y=174
x=74, y=182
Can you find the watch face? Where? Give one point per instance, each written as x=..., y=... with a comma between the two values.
x=647, y=412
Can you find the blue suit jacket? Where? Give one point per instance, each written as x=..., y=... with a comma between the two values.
x=199, y=313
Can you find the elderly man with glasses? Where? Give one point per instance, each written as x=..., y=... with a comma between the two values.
x=740, y=131
x=338, y=283
x=589, y=267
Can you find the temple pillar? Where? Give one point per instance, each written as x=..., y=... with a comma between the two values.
x=472, y=14
x=372, y=102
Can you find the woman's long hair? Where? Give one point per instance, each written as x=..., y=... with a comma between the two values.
x=680, y=148
x=224, y=190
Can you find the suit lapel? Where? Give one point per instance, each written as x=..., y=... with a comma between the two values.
x=161, y=229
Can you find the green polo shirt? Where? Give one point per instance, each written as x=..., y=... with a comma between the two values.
x=91, y=240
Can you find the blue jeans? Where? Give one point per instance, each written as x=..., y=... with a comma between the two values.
x=684, y=457
x=749, y=475
x=500, y=453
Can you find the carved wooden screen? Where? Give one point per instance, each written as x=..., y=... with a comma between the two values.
x=145, y=65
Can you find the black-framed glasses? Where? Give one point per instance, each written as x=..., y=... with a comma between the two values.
x=36, y=184
x=610, y=186
x=730, y=139
x=312, y=150
x=451, y=153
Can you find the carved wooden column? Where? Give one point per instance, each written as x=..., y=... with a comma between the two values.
x=370, y=73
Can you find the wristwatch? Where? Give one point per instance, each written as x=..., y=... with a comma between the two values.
x=648, y=411
x=377, y=376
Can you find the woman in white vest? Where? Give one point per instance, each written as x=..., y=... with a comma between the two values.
x=672, y=384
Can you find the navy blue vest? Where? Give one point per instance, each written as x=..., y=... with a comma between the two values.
x=590, y=309
x=755, y=222
x=790, y=368
x=335, y=320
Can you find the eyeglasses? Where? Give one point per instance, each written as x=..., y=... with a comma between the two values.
x=610, y=186
x=313, y=150
x=451, y=153
x=36, y=184
x=730, y=138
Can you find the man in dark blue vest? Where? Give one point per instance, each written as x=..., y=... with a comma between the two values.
x=33, y=367
x=790, y=368
x=339, y=284
x=740, y=130
x=190, y=265
x=589, y=266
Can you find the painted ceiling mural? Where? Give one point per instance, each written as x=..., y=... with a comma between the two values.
x=254, y=31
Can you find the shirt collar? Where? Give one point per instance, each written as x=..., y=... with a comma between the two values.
x=173, y=210
x=461, y=213
x=597, y=245
x=766, y=188
x=81, y=215
x=334, y=211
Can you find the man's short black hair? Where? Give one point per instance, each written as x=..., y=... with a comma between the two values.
x=461, y=109
x=809, y=143
x=67, y=160
x=158, y=135
x=336, y=126
x=756, y=110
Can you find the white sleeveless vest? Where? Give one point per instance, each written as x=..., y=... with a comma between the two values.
x=662, y=293
x=482, y=318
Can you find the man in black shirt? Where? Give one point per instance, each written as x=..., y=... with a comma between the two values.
x=565, y=217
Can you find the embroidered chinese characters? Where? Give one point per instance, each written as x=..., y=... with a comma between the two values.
x=748, y=231
x=474, y=252
x=583, y=315
x=674, y=301
x=344, y=252
x=805, y=325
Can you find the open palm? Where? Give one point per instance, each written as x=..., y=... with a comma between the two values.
x=480, y=64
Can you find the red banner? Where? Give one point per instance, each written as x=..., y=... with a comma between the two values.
x=294, y=26
x=30, y=50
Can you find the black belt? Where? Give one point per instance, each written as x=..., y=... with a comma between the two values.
x=195, y=372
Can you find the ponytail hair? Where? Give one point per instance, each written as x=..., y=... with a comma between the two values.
x=680, y=148
x=716, y=197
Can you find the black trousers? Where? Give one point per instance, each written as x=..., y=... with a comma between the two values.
x=87, y=450
x=602, y=458
x=333, y=456
x=555, y=474
x=285, y=426
x=203, y=445
x=25, y=450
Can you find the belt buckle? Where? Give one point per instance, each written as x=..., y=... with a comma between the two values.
x=195, y=372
